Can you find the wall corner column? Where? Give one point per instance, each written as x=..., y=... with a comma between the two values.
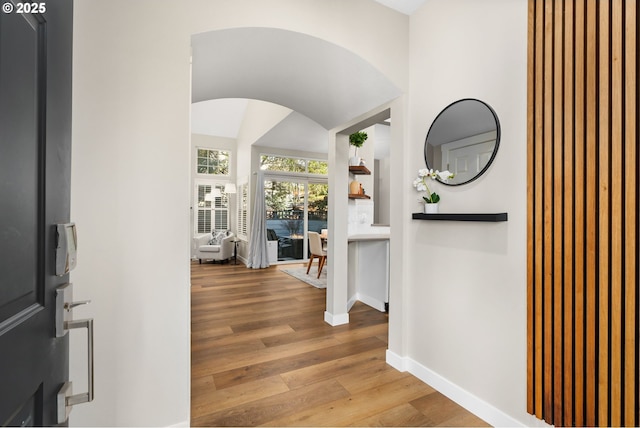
x=336, y=310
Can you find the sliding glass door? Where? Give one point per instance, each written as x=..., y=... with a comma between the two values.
x=294, y=206
x=318, y=208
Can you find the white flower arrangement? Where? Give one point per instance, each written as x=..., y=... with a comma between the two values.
x=420, y=183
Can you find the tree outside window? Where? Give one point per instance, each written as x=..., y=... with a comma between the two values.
x=287, y=164
x=212, y=162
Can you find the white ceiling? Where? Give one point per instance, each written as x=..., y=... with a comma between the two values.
x=405, y=6
x=221, y=118
x=324, y=84
x=318, y=79
x=299, y=132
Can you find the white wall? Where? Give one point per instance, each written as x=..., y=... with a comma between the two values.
x=131, y=179
x=130, y=201
x=466, y=291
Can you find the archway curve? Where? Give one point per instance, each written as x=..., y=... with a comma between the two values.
x=321, y=80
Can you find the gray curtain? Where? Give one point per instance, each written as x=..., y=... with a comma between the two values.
x=258, y=257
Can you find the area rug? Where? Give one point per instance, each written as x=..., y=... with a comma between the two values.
x=301, y=274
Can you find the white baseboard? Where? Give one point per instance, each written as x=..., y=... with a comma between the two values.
x=183, y=424
x=337, y=319
x=396, y=361
x=352, y=301
x=475, y=405
x=370, y=301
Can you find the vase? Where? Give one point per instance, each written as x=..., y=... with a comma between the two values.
x=355, y=159
x=430, y=208
x=354, y=187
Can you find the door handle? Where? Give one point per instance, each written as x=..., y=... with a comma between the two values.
x=87, y=396
x=69, y=306
x=64, y=323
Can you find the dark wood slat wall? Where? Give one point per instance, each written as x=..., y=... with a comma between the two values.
x=582, y=183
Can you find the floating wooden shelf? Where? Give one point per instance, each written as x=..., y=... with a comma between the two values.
x=358, y=196
x=359, y=170
x=495, y=217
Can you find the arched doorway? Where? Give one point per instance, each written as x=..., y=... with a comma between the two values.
x=321, y=81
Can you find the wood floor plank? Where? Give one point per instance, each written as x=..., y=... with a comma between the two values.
x=440, y=410
x=263, y=355
x=231, y=338
x=261, y=412
x=333, y=368
x=212, y=401
x=355, y=407
x=209, y=333
x=367, y=377
x=365, y=331
x=201, y=384
x=265, y=321
x=404, y=415
x=297, y=336
x=293, y=362
x=232, y=362
x=200, y=353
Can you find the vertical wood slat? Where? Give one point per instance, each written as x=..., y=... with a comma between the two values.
x=558, y=203
x=547, y=262
x=631, y=217
x=603, y=194
x=582, y=174
x=530, y=197
x=579, y=214
x=568, y=287
x=617, y=265
x=538, y=211
x=591, y=173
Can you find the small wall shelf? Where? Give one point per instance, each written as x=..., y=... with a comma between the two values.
x=359, y=170
x=357, y=196
x=495, y=217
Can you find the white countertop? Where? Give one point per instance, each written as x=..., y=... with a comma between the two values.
x=368, y=237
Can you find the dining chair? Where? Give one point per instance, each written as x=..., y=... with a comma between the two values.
x=315, y=247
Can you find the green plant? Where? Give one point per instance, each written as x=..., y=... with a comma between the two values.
x=357, y=139
x=433, y=198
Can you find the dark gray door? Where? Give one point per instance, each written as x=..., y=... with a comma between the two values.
x=35, y=170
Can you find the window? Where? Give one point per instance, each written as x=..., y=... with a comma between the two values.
x=297, y=165
x=318, y=167
x=214, y=213
x=243, y=199
x=212, y=162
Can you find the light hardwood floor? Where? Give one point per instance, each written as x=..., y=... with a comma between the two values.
x=262, y=355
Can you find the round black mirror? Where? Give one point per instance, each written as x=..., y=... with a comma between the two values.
x=463, y=139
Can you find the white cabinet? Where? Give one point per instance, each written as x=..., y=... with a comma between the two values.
x=272, y=251
x=368, y=277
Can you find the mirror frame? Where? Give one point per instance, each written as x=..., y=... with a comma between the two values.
x=495, y=149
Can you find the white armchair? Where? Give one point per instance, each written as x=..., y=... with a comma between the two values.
x=206, y=251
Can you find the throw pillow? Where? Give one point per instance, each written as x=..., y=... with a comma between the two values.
x=217, y=237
